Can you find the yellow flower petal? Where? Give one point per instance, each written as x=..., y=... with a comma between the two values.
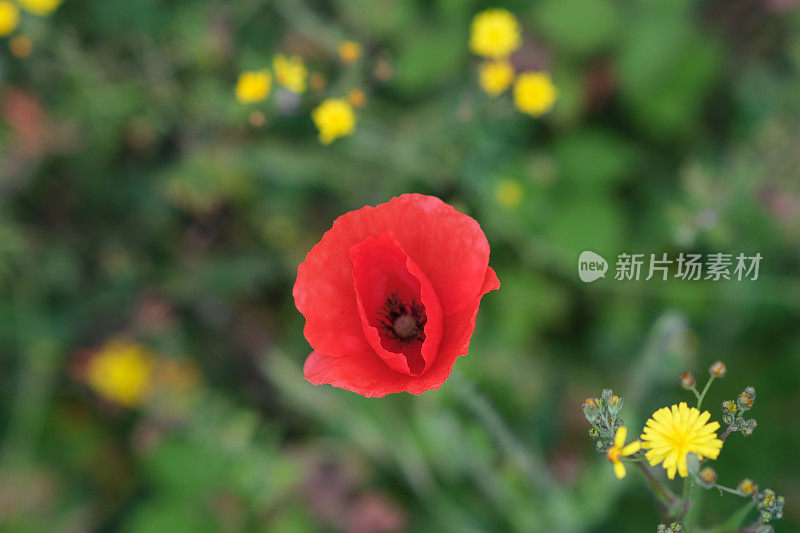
x=619, y=439
x=632, y=448
x=619, y=469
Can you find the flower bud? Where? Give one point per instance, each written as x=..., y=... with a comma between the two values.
x=707, y=477
x=748, y=427
x=592, y=409
x=729, y=406
x=687, y=381
x=747, y=398
x=605, y=395
x=718, y=369
x=747, y=487
x=614, y=404
x=594, y=433
x=770, y=505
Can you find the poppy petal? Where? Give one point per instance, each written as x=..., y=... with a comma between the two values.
x=381, y=268
x=367, y=374
x=448, y=246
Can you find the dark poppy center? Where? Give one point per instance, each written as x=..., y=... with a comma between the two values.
x=401, y=321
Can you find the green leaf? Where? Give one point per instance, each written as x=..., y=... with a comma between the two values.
x=578, y=26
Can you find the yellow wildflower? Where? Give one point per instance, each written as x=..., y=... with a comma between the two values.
x=20, y=46
x=9, y=18
x=534, y=93
x=620, y=450
x=253, y=86
x=290, y=72
x=334, y=118
x=672, y=433
x=40, y=7
x=349, y=51
x=357, y=97
x=122, y=372
x=509, y=193
x=495, y=76
x=494, y=33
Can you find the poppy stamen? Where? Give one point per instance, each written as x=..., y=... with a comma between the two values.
x=402, y=322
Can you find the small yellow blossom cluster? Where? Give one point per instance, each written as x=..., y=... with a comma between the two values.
x=10, y=18
x=495, y=34
x=333, y=117
x=290, y=72
x=255, y=85
x=128, y=373
x=121, y=371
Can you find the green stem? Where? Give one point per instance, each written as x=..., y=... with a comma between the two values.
x=664, y=495
x=705, y=390
x=525, y=457
x=632, y=460
x=695, y=392
x=687, y=500
x=691, y=506
x=726, y=489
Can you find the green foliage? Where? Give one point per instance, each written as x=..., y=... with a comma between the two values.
x=140, y=199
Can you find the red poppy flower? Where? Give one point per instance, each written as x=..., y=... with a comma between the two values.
x=390, y=296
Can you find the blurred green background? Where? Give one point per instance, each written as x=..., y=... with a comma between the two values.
x=139, y=200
